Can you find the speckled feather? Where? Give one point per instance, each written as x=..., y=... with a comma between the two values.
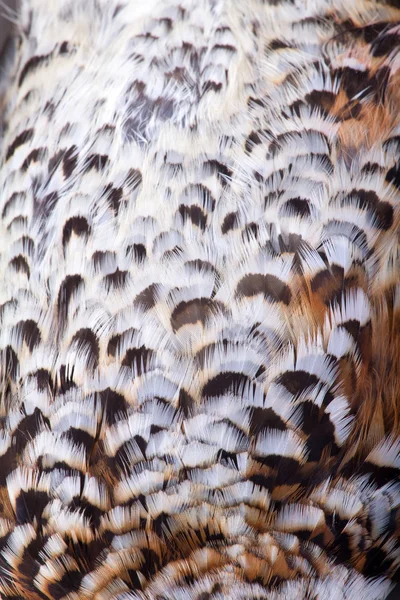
x=200, y=301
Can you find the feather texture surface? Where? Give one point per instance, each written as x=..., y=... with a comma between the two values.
x=200, y=301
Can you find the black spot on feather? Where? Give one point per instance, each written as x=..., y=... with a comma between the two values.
x=43, y=379
x=225, y=382
x=321, y=99
x=353, y=81
x=230, y=222
x=96, y=161
x=297, y=381
x=70, y=160
x=193, y=311
x=64, y=48
x=298, y=206
x=100, y=258
x=383, y=215
x=147, y=298
x=113, y=345
x=20, y=264
x=87, y=346
x=138, y=359
x=193, y=213
x=113, y=196
x=222, y=171
x=12, y=200
x=69, y=583
x=77, y=225
x=29, y=332
x=186, y=403
x=265, y=418
x=66, y=379
x=31, y=65
x=68, y=288
x=273, y=288
x=11, y=361
x=277, y=44
x=30, y=505
x=28, y=428
x=113, y=404
x=35, y=156
x=139, y=253
x=116, y=280
x=328, y=284
x=384, y=44
x=24, y=137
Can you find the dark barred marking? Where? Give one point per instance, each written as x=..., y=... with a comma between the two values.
x=23, y=138
x=198, y=310
x=77, y=225
x=32, y=64
x=270, y=286
x=87, y=347
x=29, y=332
x=71, y=285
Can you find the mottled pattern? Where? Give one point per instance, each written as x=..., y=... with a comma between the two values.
x=200, y=301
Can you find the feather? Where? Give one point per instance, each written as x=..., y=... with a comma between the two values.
x=199, y=300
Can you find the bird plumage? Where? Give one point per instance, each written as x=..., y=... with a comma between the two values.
x=200, y=301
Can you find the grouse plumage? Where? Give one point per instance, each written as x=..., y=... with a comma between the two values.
x=200, y=300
